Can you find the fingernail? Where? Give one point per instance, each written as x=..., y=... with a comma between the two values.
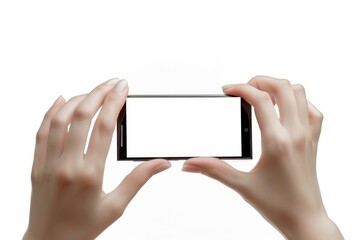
x=121, y=86
x=228, y=86
x=190, y=168
x=168, y=164
x=113, y=81
x=58, y=100
x=162, y=167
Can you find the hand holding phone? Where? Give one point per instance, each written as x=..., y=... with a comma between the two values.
x=67, y=200
x=283, y=186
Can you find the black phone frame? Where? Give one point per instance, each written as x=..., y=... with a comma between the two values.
x=246, y=131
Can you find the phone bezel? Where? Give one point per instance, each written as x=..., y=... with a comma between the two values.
x=246, y=134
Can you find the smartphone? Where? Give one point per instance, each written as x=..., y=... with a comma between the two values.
x=184, y=126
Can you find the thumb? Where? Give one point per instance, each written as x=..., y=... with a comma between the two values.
x=218, y=170
x=115, y=202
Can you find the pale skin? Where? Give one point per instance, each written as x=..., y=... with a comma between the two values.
x=283, y=186
x=68, y=201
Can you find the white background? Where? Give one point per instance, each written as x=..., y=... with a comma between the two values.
x=49, y=48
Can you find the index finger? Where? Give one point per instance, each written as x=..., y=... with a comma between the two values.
x=283, y=93
x=262, y=103
x=102, y=133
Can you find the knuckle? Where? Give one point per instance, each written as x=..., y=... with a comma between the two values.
x=285, y=143
x=77, y=98
x=89, y=177
x=64, y=176
x=316, y=115
x=282, y=140
x=81, y=113
x=46, y=174
x=38, y=176
x=299, y=140
x=257, y=77
x=104, y=126
x=48, y=115
x=41, y=135
x=299, y=88
x=264, y=97
x=58, y=121
x=34, y=177
x=116, y=210
x=280, y=144
x=319, y=116
x=284, y=83
x=253, y=81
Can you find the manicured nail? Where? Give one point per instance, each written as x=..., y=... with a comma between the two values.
x=162, y=167
x=113, y=81
x=190, y=168
x=168, y=164
x=121, y=86
x=228, y=86
x=58, y=100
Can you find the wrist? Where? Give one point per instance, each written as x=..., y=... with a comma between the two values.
x=27, y=236
x=30, y=235
x=314, y=226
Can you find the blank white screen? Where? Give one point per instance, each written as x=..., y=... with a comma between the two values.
x=183, y=127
